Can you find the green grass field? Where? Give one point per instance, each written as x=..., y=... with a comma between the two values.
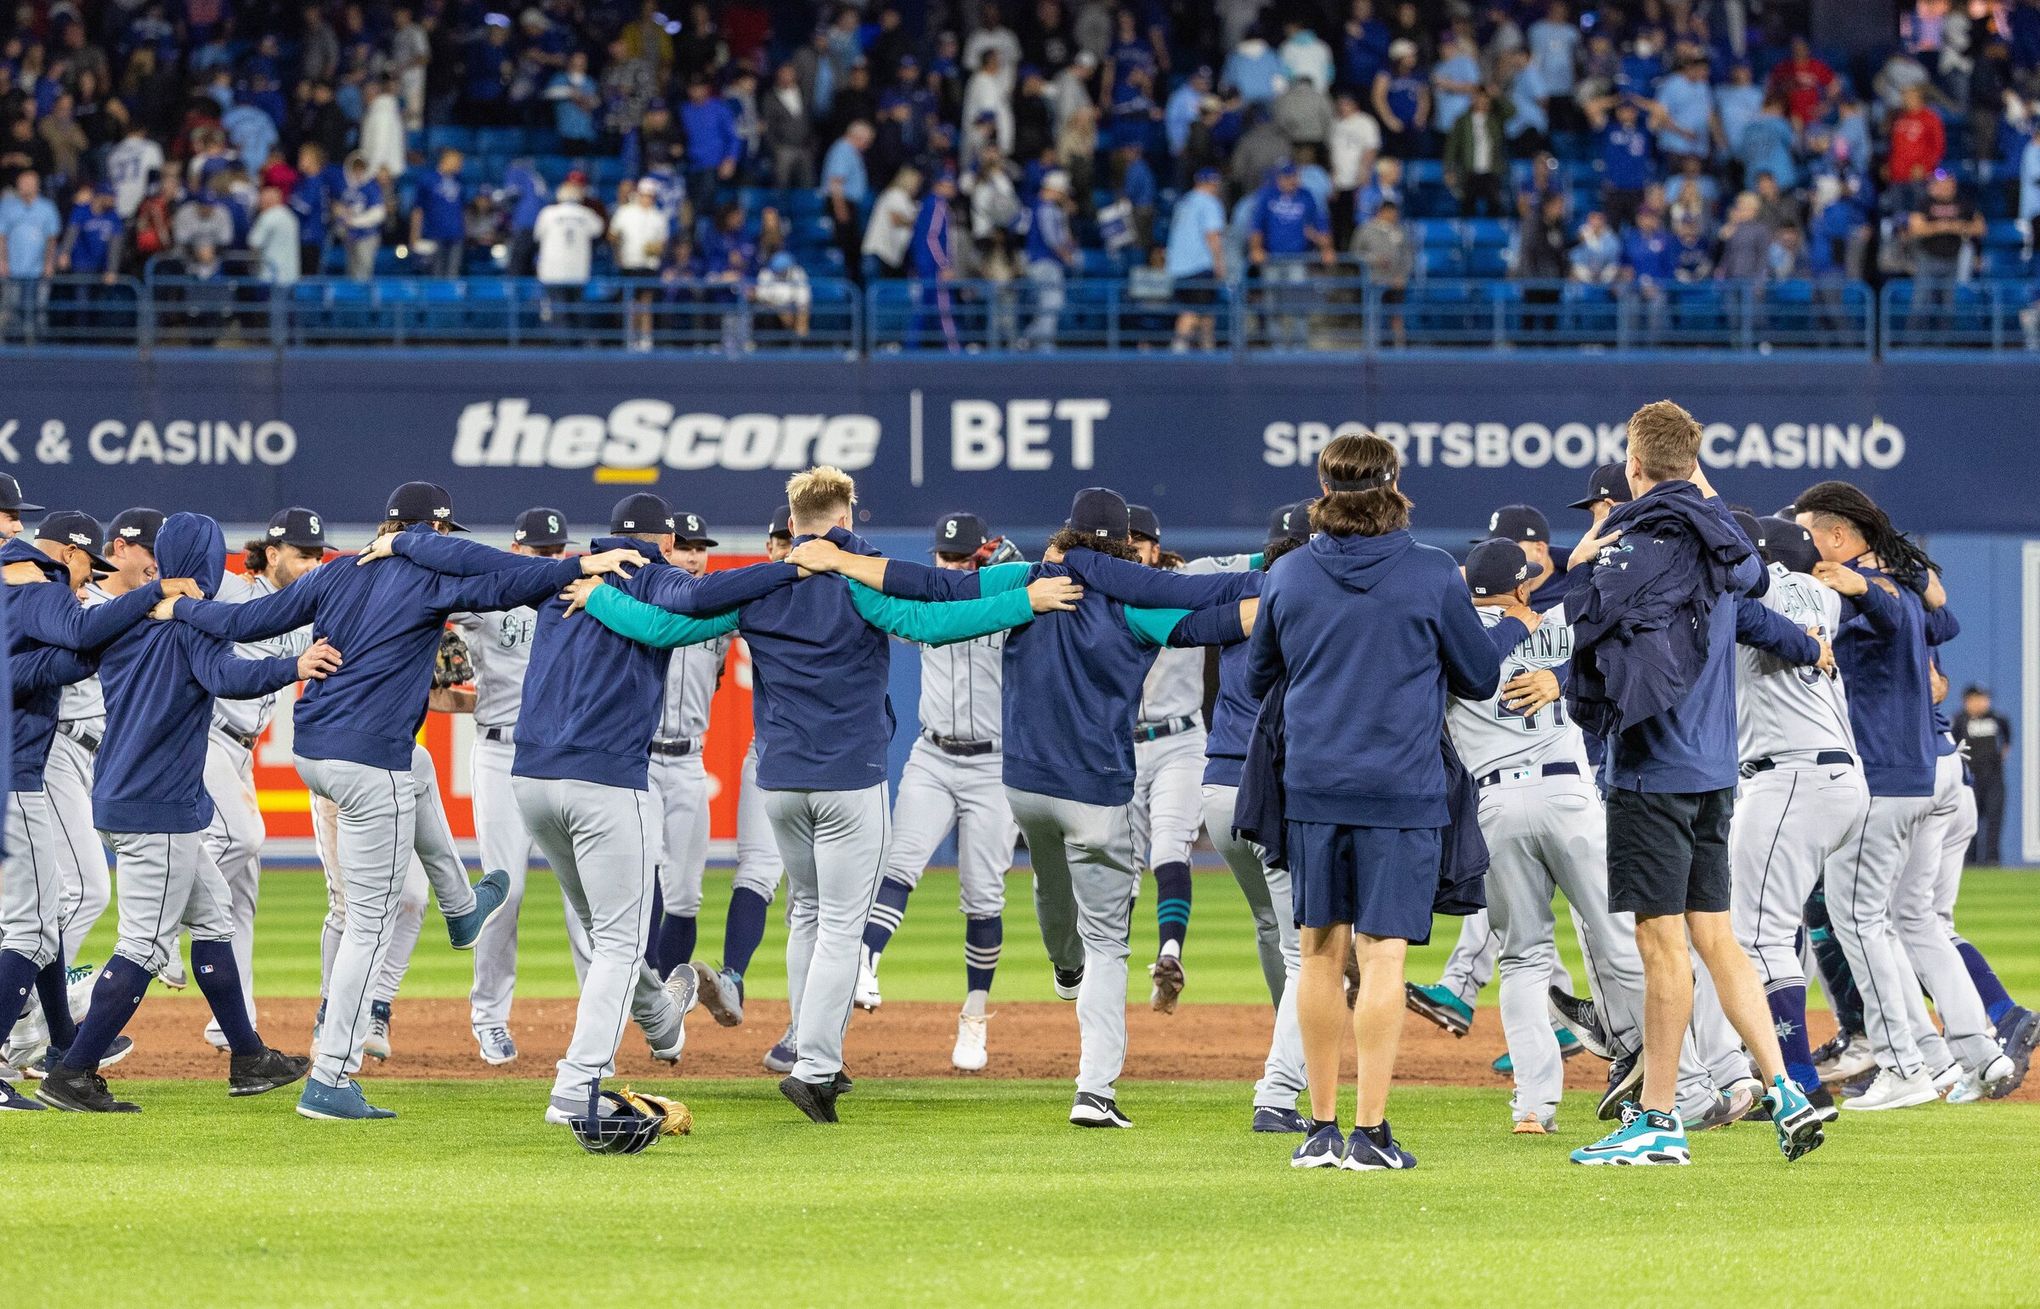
x=959, y=1191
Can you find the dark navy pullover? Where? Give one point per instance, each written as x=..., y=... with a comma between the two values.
x=1882, y=651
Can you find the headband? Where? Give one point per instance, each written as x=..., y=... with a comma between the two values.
x=1386, y=477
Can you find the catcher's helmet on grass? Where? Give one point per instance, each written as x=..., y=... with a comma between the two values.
x=627, y=1121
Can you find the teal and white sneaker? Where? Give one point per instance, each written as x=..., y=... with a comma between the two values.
x=1797, y=1121
x=1645, y=1137
x=1437, y=1003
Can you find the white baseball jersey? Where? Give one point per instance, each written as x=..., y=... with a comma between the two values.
x=249, y=717
x=1489, y=735
x=1175, y=685
x=960, y=688
x=1780, y=707
x=691, y=680
x=499, y=647
x=81, y=702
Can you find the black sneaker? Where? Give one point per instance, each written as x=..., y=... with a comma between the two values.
x=1067, y=980
x=1097, y=1111
x=256, y=1073
x=1584, y=1018
x=815, y=1099
x=844, y=1085
x=80, y=1091
x=1625, y=1074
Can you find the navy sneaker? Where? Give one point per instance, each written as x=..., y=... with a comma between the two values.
x=1645, y=1137
x=1274, y=1118
x=783, y=1055
x=11, y=1100
x=815, y=1099
x=121, y=1048
x=338, y=1104
x=1364, y=1156
x=1324, y=1148
x=1625, y=1074
x=490, y=894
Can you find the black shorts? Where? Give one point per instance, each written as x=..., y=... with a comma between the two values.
x=1196, y=291
x=1668, y=852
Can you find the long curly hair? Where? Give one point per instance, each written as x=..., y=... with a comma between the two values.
x=1898, y=554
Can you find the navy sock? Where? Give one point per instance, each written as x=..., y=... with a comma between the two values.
x=17, y=979
x=675, y=945
x=1997, y=1002
x=743, y=929
x=1788, y=1016
x=886, y=912
x=1172, y=905
x=115, y=997
x=219, y=980
x=652, y=957
x=50, y=988
x=982, y=938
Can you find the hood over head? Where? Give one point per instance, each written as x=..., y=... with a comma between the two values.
x=191, y=545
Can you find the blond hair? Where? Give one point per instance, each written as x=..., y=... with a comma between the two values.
x=814, y=498
x=1665, y=441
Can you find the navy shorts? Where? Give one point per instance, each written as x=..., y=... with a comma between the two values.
x=1382, y=880
x=1668, y=852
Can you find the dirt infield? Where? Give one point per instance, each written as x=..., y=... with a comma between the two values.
x=430, y=1038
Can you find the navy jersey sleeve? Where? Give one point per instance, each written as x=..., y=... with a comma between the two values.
x=1217, y=625
x=1876, y=609
x=1264, y=648
x=48, y=612
x=457, y=556
x=509, y=588
x=1472, y=672
x=911, y=581
x=1942, y=626
x=1154, y=588
x=1763, y=628
x=272, y=615
x=47, y=667
x=726, y=588
x=223, y=673
x=1506, y=636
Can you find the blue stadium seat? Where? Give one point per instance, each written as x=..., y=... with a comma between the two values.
x=553, y=168
x=604, y=174
x=1441, y=263
x=1485, y=261
x=500, y=140
x=449, y=136
x=1424, y=172
x=1486, y=232
x=2001, y=264
x=2004, y=232
x=1438, y=233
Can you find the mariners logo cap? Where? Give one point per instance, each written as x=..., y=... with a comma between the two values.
x=1609, y=482
x=960, y=534
x=642, y=512
x=1498, y=566
x=1290, y=523
x=422, y=502
x=692, y=529
x=1517, y=523
x=1100, y=512
x=1143, y=521
x=541, y=527
x=136, y=527
x=74, y=527
x=298, y=526
x=782, y=523
x=10, y=496
x=1784, y=541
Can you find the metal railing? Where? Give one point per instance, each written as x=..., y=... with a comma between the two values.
x=1284, y=314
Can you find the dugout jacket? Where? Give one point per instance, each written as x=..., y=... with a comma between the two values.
x=1882, y=651
x=159, y=680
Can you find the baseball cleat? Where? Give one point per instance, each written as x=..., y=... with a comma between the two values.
x=1890, y=1091
x=376, y=1045
x=844, y=1085
x=1568, y=1047
x=1364, y=1156
x=258, y=1074
x=1097, y=1111
x=338, y=1104
x=122, y=1047
x=1945, y=1079
x=491, y=893
x=1324, y=1148
x=1999, y=1078
x=722, y=994
x=1625, y=1074
x=172, y=974
x=319, y=1021
x=13, y=1101
x=1847, y=1056
x=1439, y=1005
x=969, y=1056
x=1167, y=972
x=1581, y=1019
x=80, y=1091
x=78, y=982
x=1796, y=1117
x=561, y=1113
x=783, y=1055
x=866, y=996
x=1276, y=1119
x=217, y=1039
x=2018, y=1031
x=1645, y=1137
x=496, y=1045
x=1728, y=1107
x=1534, y=1126
x=684, y=989
x=815, y=1099
x=1856, y=1086
x=1068, y=981
x=1823, y=1102
x=1757, y=1090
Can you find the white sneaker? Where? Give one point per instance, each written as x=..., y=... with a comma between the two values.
x=1945, y=1079
x=173, y=974
x=684, y=988
x=1995, y=1075
x=1839, y=1063
x=866, y=996
x=78, y=986
x=1890, y=1091
x=969, y=1055
x=1968, y=1090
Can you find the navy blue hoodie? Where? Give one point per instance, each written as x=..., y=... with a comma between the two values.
x=47, y=614
x=592, y=698
x=160, y=680
x=1374, y=632
x=385, y=619
x=1882, y=651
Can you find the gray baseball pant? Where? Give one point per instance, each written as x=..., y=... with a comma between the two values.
x=1862, y=884
x=941, y=791
x=1086, y=876
x=32, y=887
x=834, y=847
x=1789, y=821
x=1274, y=910
x=168, y=883
x=234, y=840
x=680, y=790
x=81, y=857
x=505, y=844
x=603, y=844
x=1915, y=910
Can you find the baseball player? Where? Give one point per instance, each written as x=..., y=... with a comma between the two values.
x=679, y=779
x=149, y=796
x=355, y=745
x=1527, y=526
x=499, y=649
x=951, y=783
x=1881, y=903
x=12, y=507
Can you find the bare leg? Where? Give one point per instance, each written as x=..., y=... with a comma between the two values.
x=1377, y=1022
x=1742, y=996
x=1667, y=1005
x=1320, y=1011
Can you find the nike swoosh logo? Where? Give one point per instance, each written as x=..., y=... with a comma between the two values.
x=1836, y=777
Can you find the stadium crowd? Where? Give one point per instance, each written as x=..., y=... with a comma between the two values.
x=1172, y=144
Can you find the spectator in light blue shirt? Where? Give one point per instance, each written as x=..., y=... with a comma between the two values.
x=1528, y=126
x=845, y=163
x=1196, y=258
x=1452, y=82
x=1765, y=146
x=1182, y=110
x=575, y=98
x=252, y=131
x=1597, y=257
x=1687, y=124
x=1554, y=50
x=1051, y=251
x=1251, y=70
x=2029, y=185
x=29, y=227
x=1737, y=104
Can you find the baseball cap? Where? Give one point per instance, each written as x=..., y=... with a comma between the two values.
x=422, y=502
x=1517, y=523
x=1100, y=512
x=1747, y=521
x=1609, y=482
x=10, y=496
x=541, y=526
x=1141, y=521
x=1289, y=523
x=1499, y=565
x=1786, y=542
x=960, y=534
x=1208, y=175
x=782, y=523
x=75, y=527
x=1055, y=179
x=136, y=527
x=641, y=512
x=692, y=529
x=298, y=527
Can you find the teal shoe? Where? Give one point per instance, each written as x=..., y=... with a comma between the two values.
x=1795, y=1117
x=463, y=930
x=1438, y=1004
x=1645, y=1137
x=1568, y=1046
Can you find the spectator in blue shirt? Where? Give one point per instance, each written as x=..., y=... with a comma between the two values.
x=1766, y=145
x=523, y=195
x=1597, y=256
x=439, y=217
x=251, y=130
x=1627, y=163
x=1196, y=262
x=1181, y=110
x=1051, y=253
x=1363, y=47
x=1453, y=81
x=29, y=227
x=1528, y=126
x=1289, y=224
x=1692, y=252
x=92, y=238
x=1402, y=101
x=1252, y=69
x=575, y=97
x=932, y=254
x=713, y=147
x=312, y=198
x=361, y=209
x=1650, y=262
x=1686, y=126
x=1554, y=43
x=1736, y=104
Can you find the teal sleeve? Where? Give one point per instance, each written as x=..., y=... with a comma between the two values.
x=659, y=628
x=1154, y=625
x=939, y=622
x=1257, y=561
x=1003, y=577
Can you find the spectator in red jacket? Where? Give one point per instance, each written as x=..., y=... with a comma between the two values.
x=1806, y=83
x=1918, y=141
